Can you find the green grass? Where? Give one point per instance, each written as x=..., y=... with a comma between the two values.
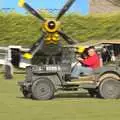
x=67, y=107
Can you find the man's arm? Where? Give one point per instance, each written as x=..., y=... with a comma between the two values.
x=89, y=61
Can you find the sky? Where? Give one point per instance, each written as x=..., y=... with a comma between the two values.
x=79, y=5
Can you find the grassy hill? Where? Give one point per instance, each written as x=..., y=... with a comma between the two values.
x=25, y=29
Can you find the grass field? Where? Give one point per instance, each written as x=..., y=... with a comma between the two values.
x=67, y=107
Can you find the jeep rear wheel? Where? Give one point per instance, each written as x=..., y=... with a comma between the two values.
x=42, y=89
x=109, y=88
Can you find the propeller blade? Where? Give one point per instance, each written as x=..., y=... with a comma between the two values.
x=65, y=8
x=36, y=46
x=66, y=38
x=32, y=11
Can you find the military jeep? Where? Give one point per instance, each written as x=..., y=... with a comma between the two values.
x=43, y=80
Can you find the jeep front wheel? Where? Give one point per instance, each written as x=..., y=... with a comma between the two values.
x=42, y=89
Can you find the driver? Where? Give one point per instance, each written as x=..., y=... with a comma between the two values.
x=89, y=63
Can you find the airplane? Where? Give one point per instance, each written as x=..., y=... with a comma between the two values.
x=49, y=42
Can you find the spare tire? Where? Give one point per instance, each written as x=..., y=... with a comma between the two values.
x=8, y=72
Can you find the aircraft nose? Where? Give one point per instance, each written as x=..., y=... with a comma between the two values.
x=51, y=24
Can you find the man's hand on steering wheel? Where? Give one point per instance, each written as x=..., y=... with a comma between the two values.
x=79, y=59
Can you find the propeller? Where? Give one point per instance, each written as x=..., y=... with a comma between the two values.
x=50, y=30
x=65, y=8
x=22, y=3
x=68, y=39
